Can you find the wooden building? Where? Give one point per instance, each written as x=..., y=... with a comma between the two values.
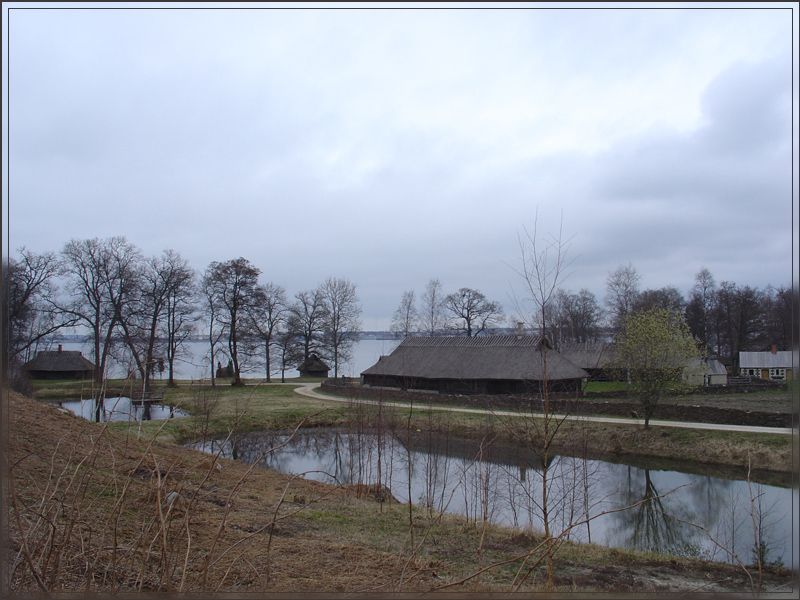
x=705, y=371
x=313, y=366
x=490, y=364
x=59, y=364
x=596, y=358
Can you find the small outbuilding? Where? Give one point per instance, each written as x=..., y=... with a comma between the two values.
x=313, y=366
x=60, y=364
x=489, y=364
x=705, y=372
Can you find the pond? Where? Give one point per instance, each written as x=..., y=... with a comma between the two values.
x=642, y=507
x=119, y=409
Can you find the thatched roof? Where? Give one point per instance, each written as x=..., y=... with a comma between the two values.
x=589, y=355
x=59, y=361
x=313, y=364
x=489, y=357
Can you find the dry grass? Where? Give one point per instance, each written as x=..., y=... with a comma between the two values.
x=88, y=510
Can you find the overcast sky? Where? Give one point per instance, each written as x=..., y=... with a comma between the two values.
x=390, y=147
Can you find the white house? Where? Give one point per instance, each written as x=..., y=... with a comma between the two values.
x=772, y=366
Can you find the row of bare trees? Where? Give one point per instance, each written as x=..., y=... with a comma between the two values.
x=258, y=321
x=140, y=310
x=726, y=319
x=465, y=312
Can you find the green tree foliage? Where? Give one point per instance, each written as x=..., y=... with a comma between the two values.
x=654, y=347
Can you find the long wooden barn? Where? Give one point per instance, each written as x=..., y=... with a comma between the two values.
x=490, y=364
x=596, y=358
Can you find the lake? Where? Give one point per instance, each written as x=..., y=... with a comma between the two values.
x=674, y=512
x=194, y=364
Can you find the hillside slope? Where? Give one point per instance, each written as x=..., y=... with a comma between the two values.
x=88, y=509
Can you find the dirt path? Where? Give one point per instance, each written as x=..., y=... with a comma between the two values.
x=310, y=390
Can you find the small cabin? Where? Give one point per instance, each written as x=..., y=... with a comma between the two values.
x=59, y=364
x=313, y=366
x=706, y=372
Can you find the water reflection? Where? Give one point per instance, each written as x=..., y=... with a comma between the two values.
x=670, y=512
x=120, y=409
x=656, y=522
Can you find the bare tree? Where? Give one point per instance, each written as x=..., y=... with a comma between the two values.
x=406, y=318
x=155, y=327
x=233, y=286
x=573, y=317
x=125, y=285
x=622, y=292
x=179, y=312
x=739, y=321
x=585, y=314
x=668, y=298
x=431, y=314
x=211, y=309
x=343, y=323
x=780, y=320
x=308, y=317
x=30, y=313
x=289, y=349
x=101, y=280
x=700, y=307
x=542, y=268
x=471, y=313
x=267, y=313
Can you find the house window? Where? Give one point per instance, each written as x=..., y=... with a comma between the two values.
x=777, y=373
x=751, y=372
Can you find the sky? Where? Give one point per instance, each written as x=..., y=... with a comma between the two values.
x=391, y=146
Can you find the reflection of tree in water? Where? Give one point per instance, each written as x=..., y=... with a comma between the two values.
x=304, y=453
x=573, y=493
x=750, y=530
x=703, y=519
x=657, y=523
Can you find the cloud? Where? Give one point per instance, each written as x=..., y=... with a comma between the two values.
x=395, y=146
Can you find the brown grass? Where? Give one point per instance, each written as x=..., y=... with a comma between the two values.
x=88, y=510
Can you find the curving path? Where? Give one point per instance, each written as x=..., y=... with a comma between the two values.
x=310, y=390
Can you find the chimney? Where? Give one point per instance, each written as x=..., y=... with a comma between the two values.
x=774, y=348
x=59, y=348
x=520, y=330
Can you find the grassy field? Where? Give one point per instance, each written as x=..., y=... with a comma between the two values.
x=217, y=411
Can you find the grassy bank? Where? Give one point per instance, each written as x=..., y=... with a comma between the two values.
x=92, y=510
x=217, y=411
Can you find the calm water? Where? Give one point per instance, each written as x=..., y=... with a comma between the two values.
x=194, y=363
x=675, y=512
x=119, y=409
